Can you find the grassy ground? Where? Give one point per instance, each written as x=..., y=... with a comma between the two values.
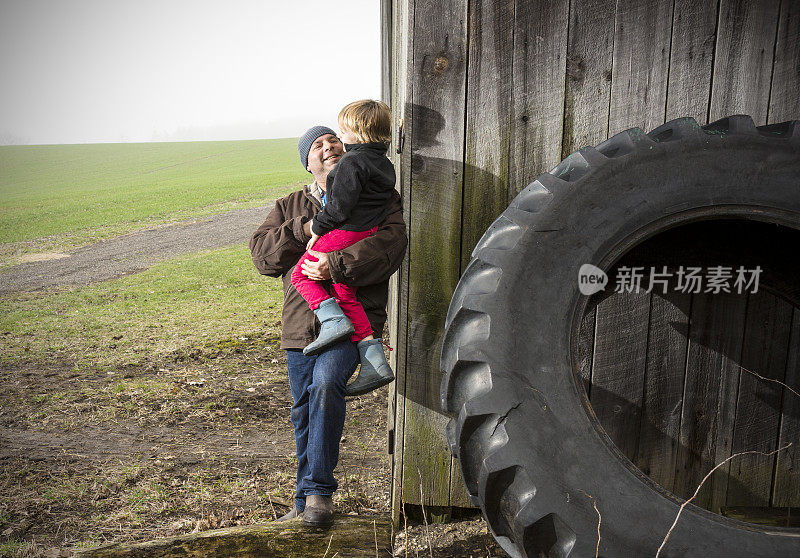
x=57, y=197
x=157, y=403
x=206, y=301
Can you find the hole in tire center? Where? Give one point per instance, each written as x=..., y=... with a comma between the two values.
x=681, y=380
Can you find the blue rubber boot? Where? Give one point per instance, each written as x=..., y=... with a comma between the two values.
x=375, y=371
x=334, y=327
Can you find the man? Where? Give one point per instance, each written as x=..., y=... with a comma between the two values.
x=318, y=382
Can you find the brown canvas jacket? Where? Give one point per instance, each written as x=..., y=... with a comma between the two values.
x=278, y=244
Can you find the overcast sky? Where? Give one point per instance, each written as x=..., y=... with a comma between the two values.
x=86, y=71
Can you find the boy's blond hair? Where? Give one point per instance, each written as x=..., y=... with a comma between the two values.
x=370, y=121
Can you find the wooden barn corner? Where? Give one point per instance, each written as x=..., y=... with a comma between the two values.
x=488, y=94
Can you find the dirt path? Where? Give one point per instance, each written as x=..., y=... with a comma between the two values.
x=136, y=251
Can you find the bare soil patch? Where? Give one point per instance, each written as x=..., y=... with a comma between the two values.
x=469, y=538
x=41, y=257
x=154, y=451
x=133, y=252
x=135, y=454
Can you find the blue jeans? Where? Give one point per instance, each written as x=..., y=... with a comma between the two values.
x=317, y=384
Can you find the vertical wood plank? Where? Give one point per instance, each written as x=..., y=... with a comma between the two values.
x=640, y=68
x=388, y=68
x=487, y=134
x=402, y=11
x=766, y=341
x=691, y=58
x=387, y=73
x=743, y=58
x=488, y=126
x=588, y=81
x=709, y=395
x=540, y=50
x=619, y=367
x=663, y=395
x=787, y=466
x=784, y=102
x=437, y=138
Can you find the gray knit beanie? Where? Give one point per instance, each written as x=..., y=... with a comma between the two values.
x=304, y=145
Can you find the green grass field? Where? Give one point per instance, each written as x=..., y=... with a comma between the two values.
x=56, y=197
x=195, y=305
x=185, y=354
x=59, y=197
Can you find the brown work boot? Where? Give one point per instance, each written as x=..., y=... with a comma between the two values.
x=319, y=511
x=292, y=514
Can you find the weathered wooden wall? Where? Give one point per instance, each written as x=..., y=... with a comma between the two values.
x=494, y=92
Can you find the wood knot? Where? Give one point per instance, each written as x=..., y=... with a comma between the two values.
x=440, y=65
x=575, y=68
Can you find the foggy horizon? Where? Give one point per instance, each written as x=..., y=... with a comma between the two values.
x=91, y=71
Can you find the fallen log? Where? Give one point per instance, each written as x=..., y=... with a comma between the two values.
x=350, y=535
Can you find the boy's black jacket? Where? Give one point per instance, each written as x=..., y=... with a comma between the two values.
x=357, y=190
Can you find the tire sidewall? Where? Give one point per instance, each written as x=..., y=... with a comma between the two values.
x=537, y=308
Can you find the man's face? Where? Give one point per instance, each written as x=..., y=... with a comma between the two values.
x=325, y=152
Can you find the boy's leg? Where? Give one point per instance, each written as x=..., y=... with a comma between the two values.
x=301, y=374
x=310, y=290
x=332, y=369
x=375, y=370
x=338, y=239
x=353, y=310
x=335, y=325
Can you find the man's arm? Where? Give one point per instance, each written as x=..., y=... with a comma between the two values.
x=374, y=259
x=278, y=243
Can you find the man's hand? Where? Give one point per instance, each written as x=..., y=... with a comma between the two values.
x=307, y=228
x=318, y=270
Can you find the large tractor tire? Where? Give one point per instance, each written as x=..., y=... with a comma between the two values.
x=531, y=452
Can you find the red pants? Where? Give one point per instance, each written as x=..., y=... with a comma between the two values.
x=314, y=293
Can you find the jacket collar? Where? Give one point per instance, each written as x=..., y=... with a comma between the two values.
x=380, y=148
x=308, y=192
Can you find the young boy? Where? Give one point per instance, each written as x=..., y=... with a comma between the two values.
x=354, y=204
